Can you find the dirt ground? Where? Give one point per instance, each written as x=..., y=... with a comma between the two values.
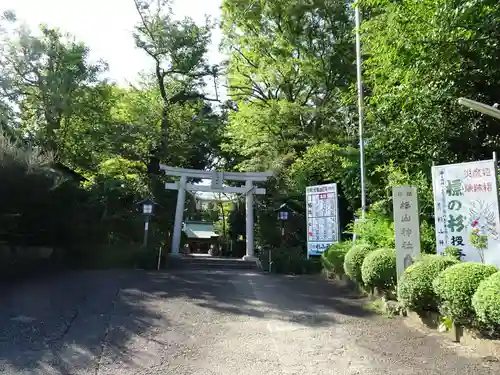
x=210, y=322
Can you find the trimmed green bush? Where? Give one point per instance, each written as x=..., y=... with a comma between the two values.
x=486, y=302
x=455, y=287
x=333, y=258
x=415, y=291
x=379, y=269
x=354, y=260
x=453, y=252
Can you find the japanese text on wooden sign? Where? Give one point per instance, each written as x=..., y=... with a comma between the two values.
x=406, y=226
x=322, y=218
x=466, y=209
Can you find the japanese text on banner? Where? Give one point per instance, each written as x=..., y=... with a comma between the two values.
x=406, y=226
x=322, y=218
x=466, y=208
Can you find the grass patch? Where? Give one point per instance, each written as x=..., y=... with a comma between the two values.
x=376, y=305
x=385, y=307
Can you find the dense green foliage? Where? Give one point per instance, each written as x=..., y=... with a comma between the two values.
x=41, y=204
x=377, y=230
x=455, y=287
x=289, y=260
x=486, y=302
x=77, y=148
x=332, y=259
x=453, y=252
x=294, y=89
x=379, y=269
x=354, y=260
x=415, y=290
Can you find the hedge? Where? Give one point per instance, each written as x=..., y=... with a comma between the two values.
x=455, y=287
x=486, y=302
x=112, y=256
x=415, y=291
x=290, y=260
x=333, y=257
x=379, y=269
x=354, y=260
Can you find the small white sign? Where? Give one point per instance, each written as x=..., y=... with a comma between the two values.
x=217, y=180
x=323, y=227
x=406, y=226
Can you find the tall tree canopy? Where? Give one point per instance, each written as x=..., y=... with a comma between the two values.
x=54, y=98
x=289, y=74
x=178, y=49
x=420, y=57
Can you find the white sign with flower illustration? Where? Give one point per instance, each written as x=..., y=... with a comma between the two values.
x=466, y=210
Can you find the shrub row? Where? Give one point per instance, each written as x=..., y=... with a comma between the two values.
x=468, y=293
x=455, y=288
x=369, y=267
x=415, y=290
x=333, y=257
x=486, y=302
x=354, y=260
x=379, y=269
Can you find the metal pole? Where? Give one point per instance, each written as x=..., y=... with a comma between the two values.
x=159, y=258
x=495, y=171
x=269, y=254
x=360, y=113
x=146, y=231
x=282, y=233
x=491, y=110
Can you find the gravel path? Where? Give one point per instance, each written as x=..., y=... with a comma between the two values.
x=202, y=322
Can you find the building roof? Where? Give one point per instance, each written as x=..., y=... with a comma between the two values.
x=199, y=230
x=68, y=172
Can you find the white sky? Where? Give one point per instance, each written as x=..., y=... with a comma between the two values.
x=106, y=26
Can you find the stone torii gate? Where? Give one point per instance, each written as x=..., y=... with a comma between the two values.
x=217, y=178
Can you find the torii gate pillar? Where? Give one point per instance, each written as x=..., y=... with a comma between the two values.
x=250, y=253
x=179, y=214
x=249, y=189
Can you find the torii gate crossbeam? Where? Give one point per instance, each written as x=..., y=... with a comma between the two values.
x=217, y=178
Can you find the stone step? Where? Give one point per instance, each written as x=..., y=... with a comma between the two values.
x=208, y=262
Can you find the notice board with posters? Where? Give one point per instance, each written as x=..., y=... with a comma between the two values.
x=323, y=227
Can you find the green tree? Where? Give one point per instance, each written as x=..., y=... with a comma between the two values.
x=289, y=75
x=178, y=49
x=420, y=57
x=327, y=162
x=49, y=78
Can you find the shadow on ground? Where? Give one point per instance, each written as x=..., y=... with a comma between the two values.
x=59, y=324
x=304, y=300
x=66, y=322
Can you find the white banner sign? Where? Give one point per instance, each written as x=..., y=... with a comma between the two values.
x=465, y=202
x=406, y=226
x=322, y=218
